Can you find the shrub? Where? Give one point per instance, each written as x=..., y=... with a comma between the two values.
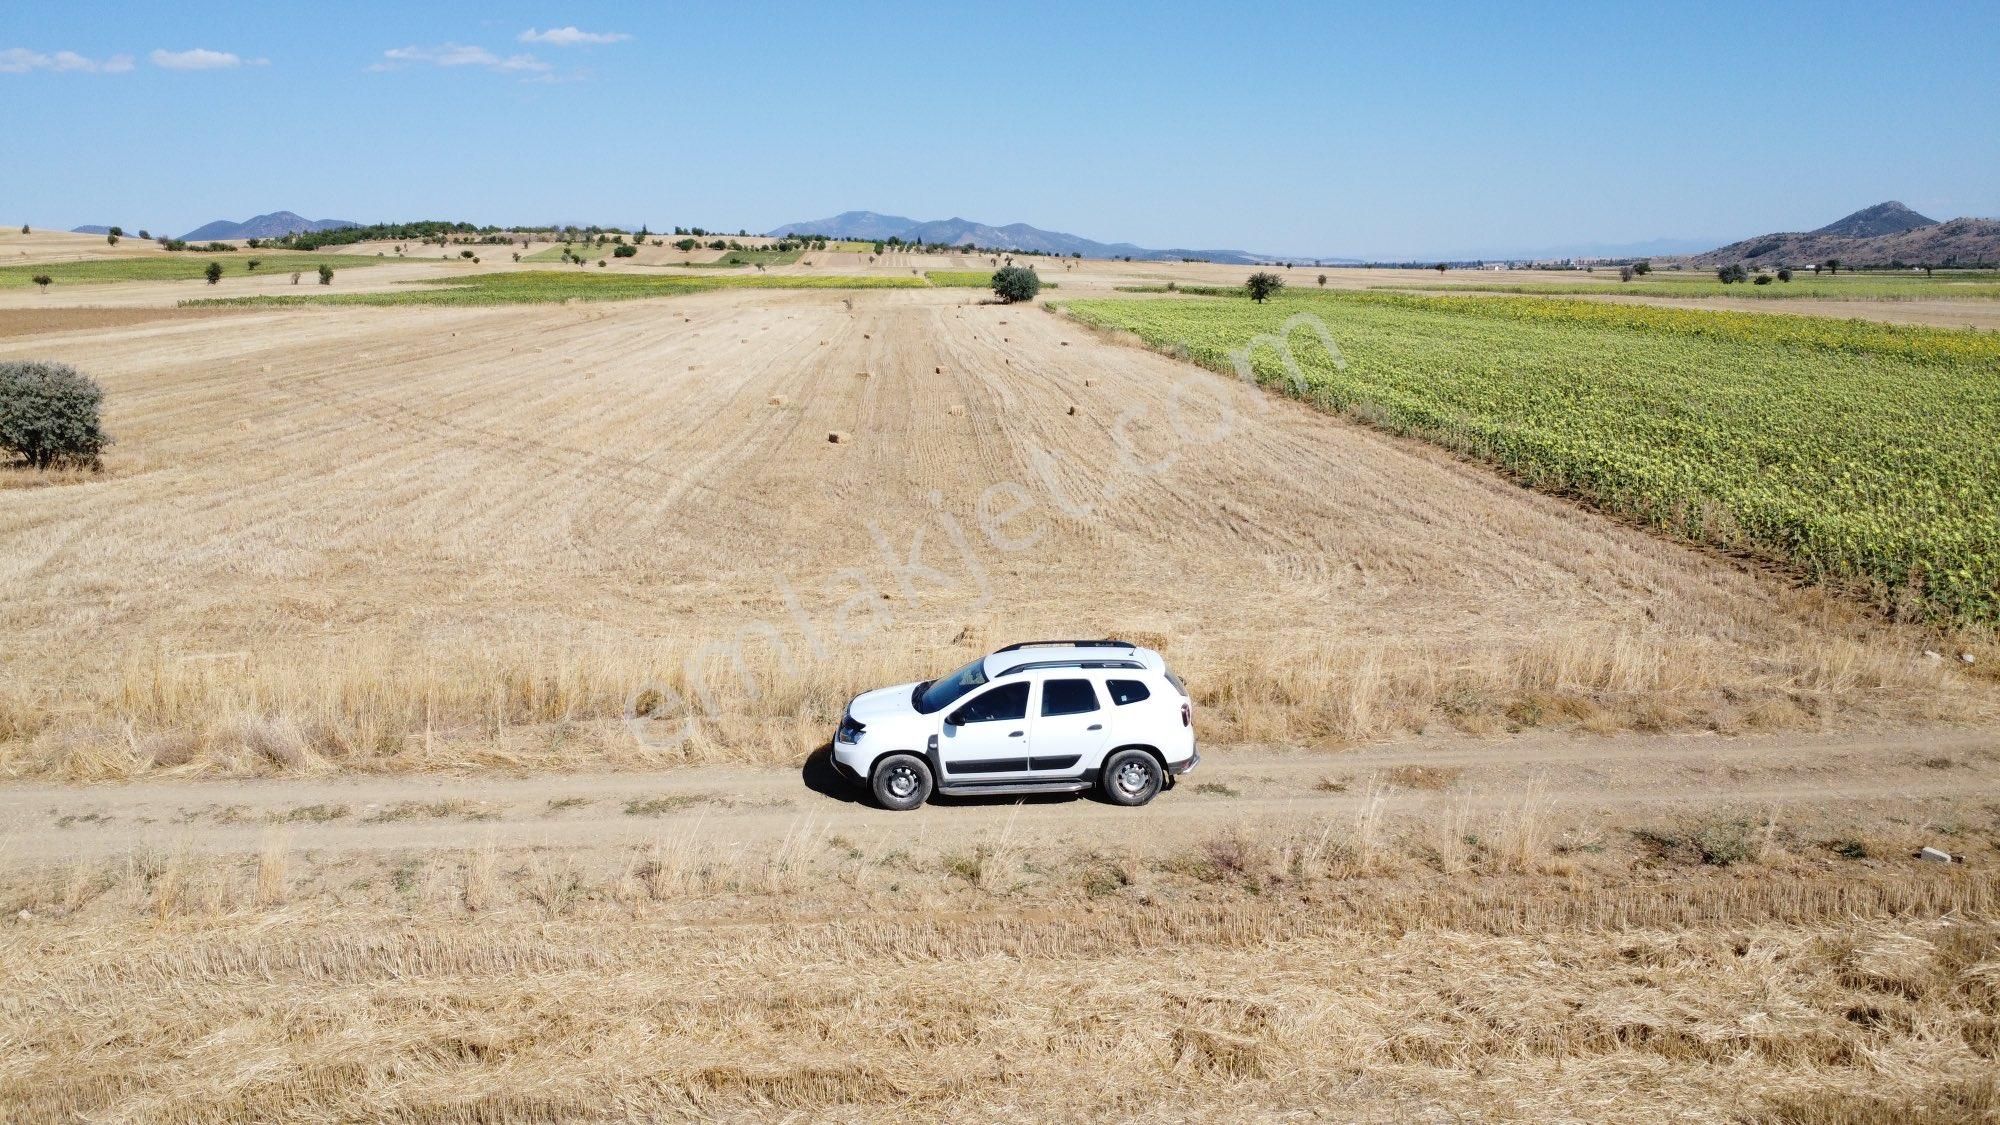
x=24, y=228
x=213, y=272
x=1642, y=268
x=111, y=239
x=1763, y=279
x=43, y=280
x=254, y=263
x=465, y=253
x=1322, y=281
x=1627, y=273
x=1784, y=275
x=1014, y=283
x=623, y=251
x=49, y=415
x=686, y=244
x=1261, y=285
x=1731, y=274
x=295, y=277
x=326, y=275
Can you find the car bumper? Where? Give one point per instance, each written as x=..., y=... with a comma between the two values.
x=1193, y=760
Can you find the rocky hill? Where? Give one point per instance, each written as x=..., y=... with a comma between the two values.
x=273, y=225
x=1883, y=235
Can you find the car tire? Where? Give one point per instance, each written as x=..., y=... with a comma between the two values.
x=1131, y=777
x=901, y=782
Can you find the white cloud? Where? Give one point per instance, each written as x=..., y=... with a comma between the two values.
x=572, y=37
x=453, y=54
x=20, y=60
x=199, y=59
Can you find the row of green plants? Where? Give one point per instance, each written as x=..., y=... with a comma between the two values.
x=1861, y=454
x=159, y=268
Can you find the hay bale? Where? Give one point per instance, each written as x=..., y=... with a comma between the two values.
x=839, y=437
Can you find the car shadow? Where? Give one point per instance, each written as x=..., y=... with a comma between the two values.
x=817, y=774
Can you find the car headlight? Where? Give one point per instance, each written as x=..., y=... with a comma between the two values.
x=849, y=731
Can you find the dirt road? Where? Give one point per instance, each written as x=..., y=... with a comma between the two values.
x=728, y=807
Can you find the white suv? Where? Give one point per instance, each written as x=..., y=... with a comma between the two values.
x=1037, y=717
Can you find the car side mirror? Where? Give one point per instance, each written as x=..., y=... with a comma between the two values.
x=955, y=719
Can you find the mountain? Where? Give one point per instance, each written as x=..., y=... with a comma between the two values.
x=1883, y=218
x=868, y=226
x=1885, y=234
x=263, y=226
x=90, y=230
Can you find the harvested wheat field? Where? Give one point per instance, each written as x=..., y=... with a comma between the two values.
x=408, y=539
x=420, y=719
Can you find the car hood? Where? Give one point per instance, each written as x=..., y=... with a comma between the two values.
x=884, y=704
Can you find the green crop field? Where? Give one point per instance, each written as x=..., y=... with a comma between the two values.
x=1863, y=454
x=1841, y=287
x=539, y=286
x=734, y=259
x=968, y=279
x=177, y=267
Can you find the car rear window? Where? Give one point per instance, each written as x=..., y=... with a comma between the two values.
x=1008, y=702
x=1127, y=691
x=1068, y=697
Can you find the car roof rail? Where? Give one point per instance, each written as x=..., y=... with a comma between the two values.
x=1033, y=665
x=1067, y=644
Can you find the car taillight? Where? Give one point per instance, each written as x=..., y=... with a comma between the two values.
x=1187, y=715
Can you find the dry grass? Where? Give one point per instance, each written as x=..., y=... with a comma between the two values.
x=340, y=547
x=1282, y=970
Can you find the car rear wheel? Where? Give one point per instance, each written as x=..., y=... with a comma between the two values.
x=1131, y=777
x=901, y=782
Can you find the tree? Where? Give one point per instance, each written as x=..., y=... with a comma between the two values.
x=43, y=280
x=295, y=277
x=1015, y=283
x=111, y=240
x=624, y=251
x=24, y=228
x=49, y=415
x=326, y=275
x=145, y=235
x=1784, y=275
x=1833, y=265
x=254, y=263
x=1731, y=274
x=1262, y=284
x=1642, y=268
x=1443, y=266
x=1627, y=273
x=465, y=253
x=1322, y=281
x=213, y=272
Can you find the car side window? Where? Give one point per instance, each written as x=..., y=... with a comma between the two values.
x=1127, y=691
x=1068, y=697
x=1002, y=703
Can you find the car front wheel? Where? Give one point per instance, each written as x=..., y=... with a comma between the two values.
x=1132, y=777
x=901, y=782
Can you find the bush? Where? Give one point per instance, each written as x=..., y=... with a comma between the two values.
x=213, y=272
x=624, y=251
x=1015, y=283
x=1262, y=285
x=1763, y=279
x=254, y=263
x=43, y=280
x=49, y=415
x=465, y=253
x=1642, y=268
x=326, y=275
x=1784, y=275
x=1627, y=273
x=1322, y=281
x=111, y=239
x=1729, y=275
x=295, y=277
x=686, y=244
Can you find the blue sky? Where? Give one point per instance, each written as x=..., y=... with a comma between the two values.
x=1370, y=130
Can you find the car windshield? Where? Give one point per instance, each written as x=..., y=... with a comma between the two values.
x=940, y=694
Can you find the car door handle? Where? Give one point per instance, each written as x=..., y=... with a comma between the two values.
x=1016, y=734
x=1095, y=726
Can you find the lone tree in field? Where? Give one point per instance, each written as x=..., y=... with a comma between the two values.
x=24, y=228
x=1262, y=284
x=214, y=272
x=43, y=280
x=1015, y=283
x=1322, y=281
x=254, y=263
x=326, y=275
x=49, y=415
x=1627, y=273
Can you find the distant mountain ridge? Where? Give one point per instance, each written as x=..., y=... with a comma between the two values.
x=871, y=226
x=274, y=225
x=1885, y=234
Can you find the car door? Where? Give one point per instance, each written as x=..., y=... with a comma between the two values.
x=985, y=738
x=1070, y=727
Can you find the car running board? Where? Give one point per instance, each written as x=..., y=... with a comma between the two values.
x=985, y=788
